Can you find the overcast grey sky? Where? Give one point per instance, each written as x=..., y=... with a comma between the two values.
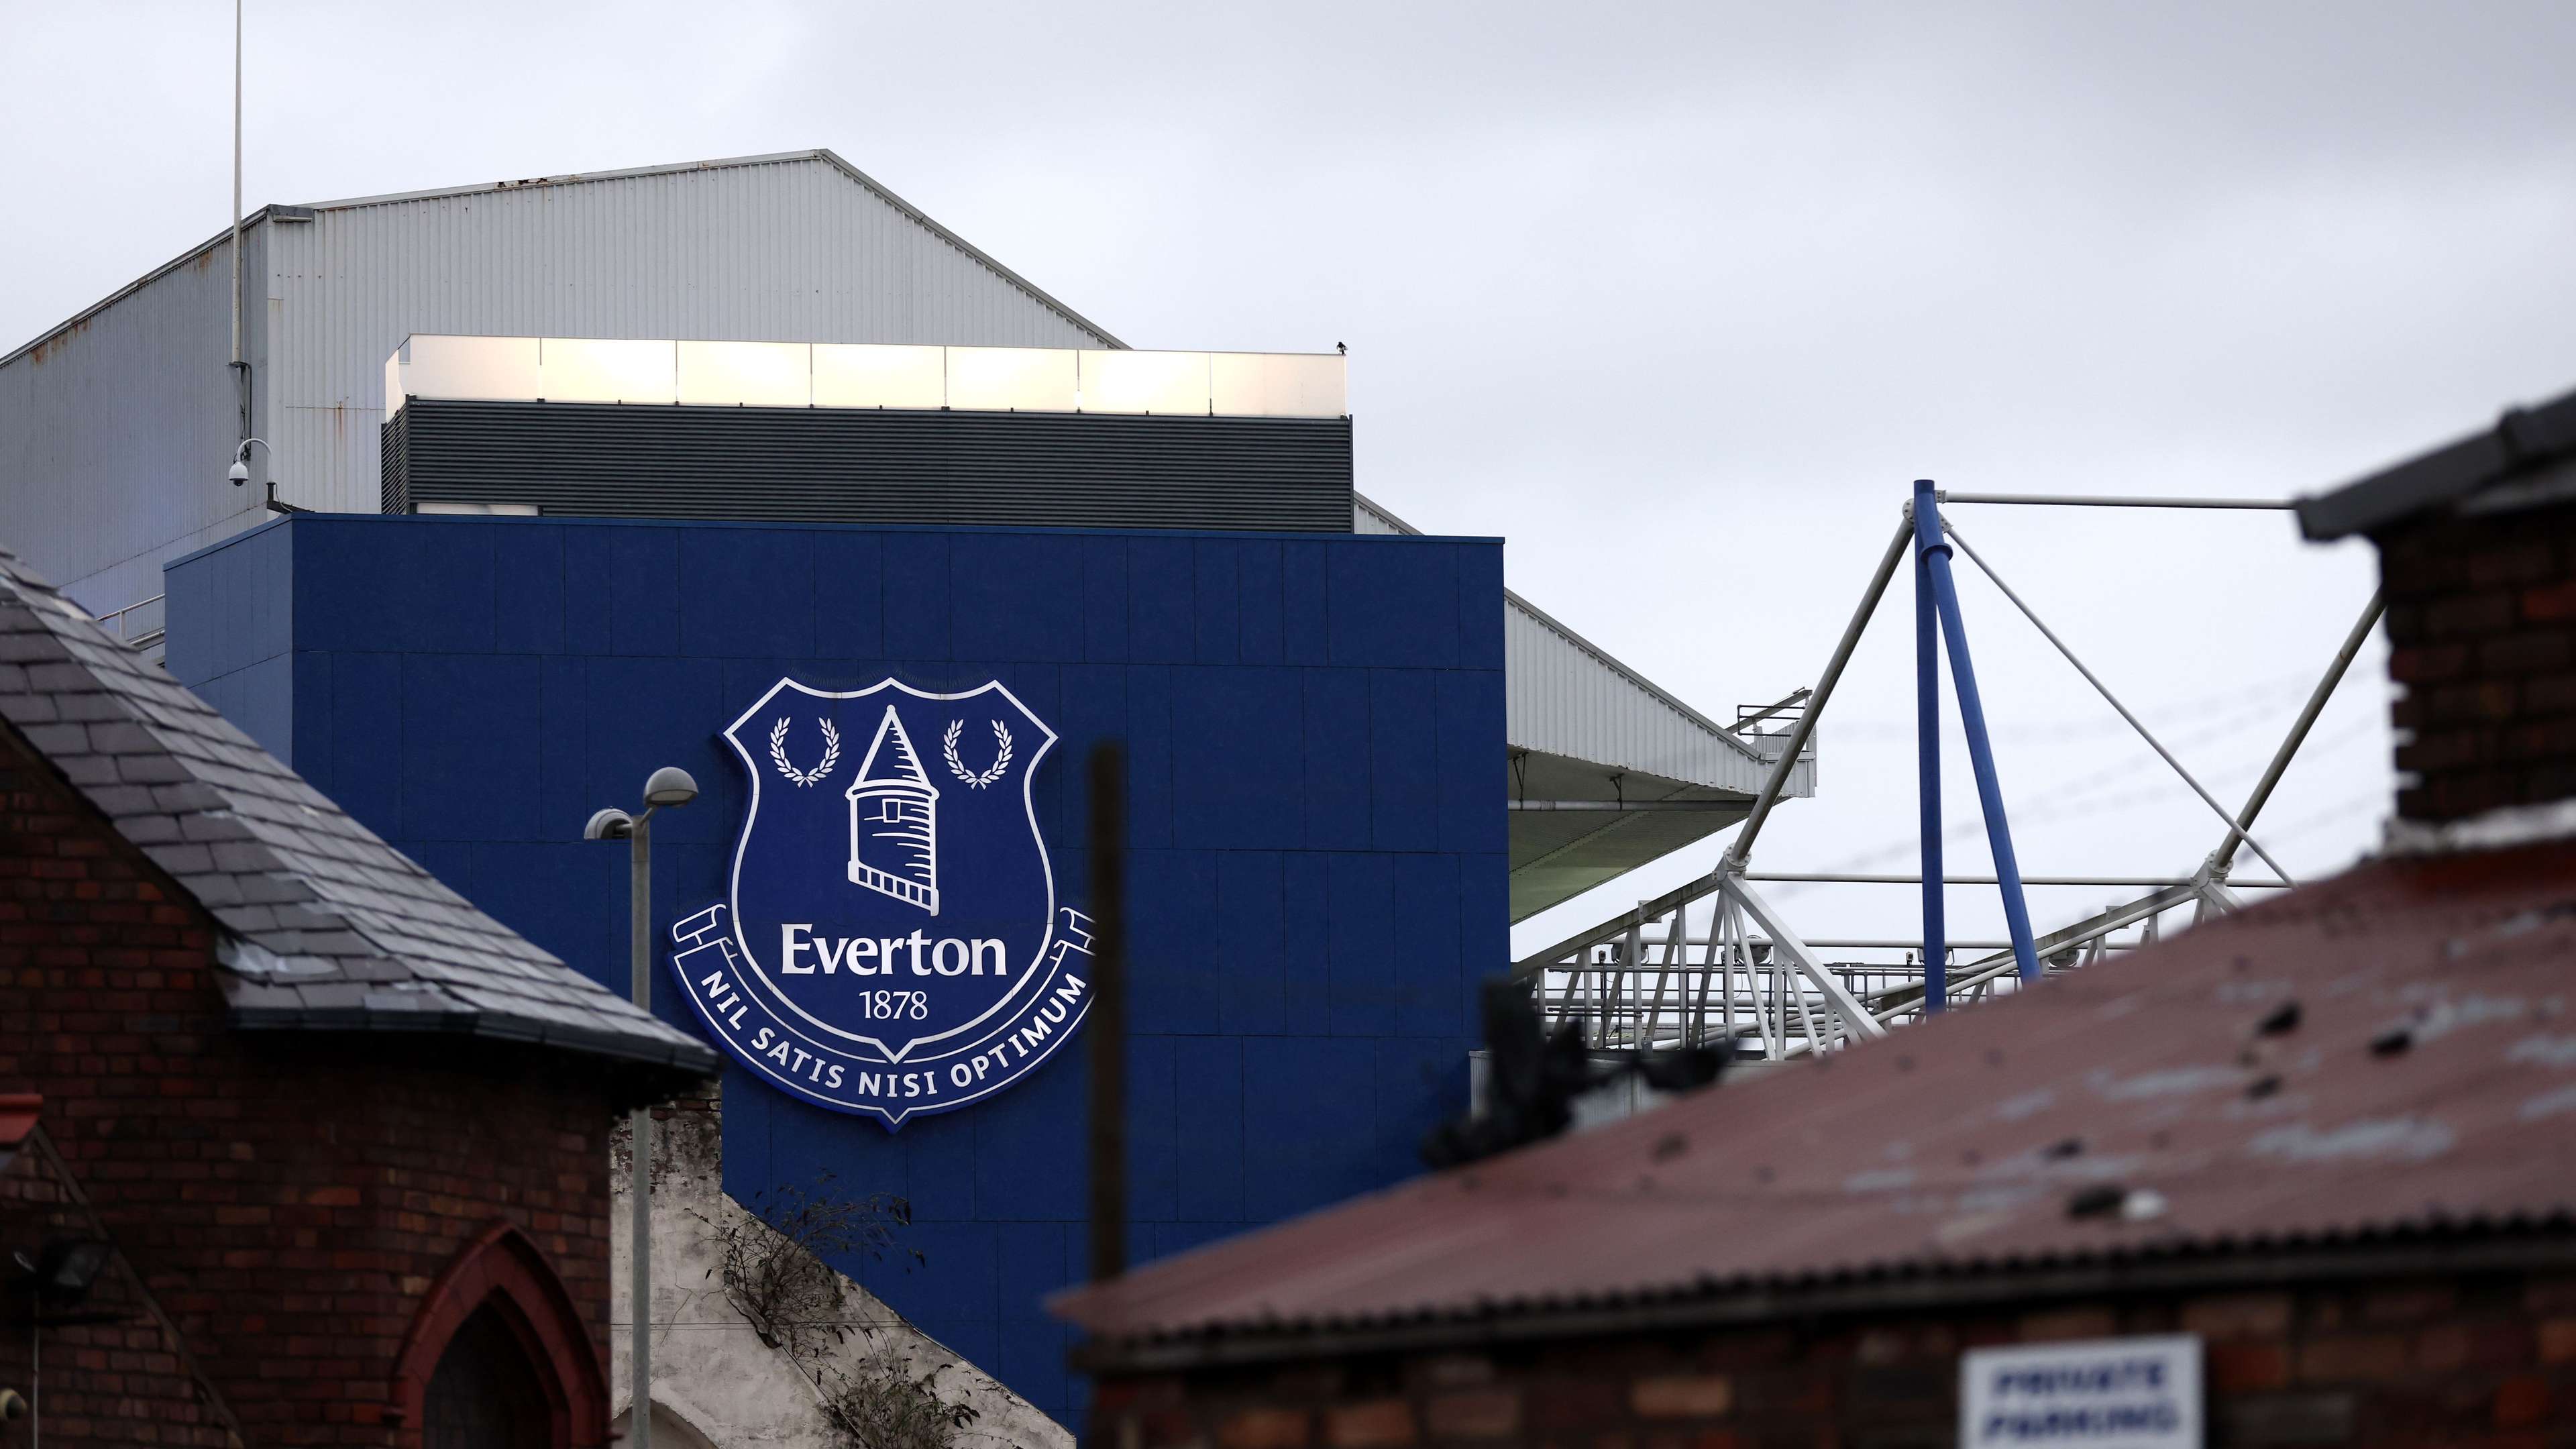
x=1675, y=298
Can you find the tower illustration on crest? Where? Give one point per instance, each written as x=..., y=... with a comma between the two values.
x=894, y=820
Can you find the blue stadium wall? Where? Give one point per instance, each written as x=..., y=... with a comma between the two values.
x=1315, y=729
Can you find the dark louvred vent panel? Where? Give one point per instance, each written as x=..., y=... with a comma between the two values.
x=1069, y=470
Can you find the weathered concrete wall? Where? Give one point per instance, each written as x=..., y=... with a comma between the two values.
x=713, y=1379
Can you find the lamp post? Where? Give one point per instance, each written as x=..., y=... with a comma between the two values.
x=669, y=786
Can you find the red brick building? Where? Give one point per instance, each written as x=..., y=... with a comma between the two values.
x=2333, y=1138
x=2477, y=554
x=342, y=1139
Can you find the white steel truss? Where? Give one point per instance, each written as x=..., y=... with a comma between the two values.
x=1759, y=988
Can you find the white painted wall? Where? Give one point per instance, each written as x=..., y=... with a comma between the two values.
x=711, y=1373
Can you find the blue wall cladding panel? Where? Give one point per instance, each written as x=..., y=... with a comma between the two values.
x=1314, y=729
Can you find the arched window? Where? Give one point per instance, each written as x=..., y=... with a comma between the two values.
x=497, y=1356
x=484, y=1393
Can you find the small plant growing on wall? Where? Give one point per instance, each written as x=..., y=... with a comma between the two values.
x=775, y=1264
x=884, y=1406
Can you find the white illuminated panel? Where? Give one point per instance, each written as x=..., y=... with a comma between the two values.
x=851, y=375
x=867, y=375
x=478, y=368
x=1021, y=379
x=1145, y=382
x=1276, y=385
x=748, y=374
x=594, y=370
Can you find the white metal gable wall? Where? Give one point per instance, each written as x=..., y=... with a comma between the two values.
x=116, y=427
x=115, y=431
x=792, y=250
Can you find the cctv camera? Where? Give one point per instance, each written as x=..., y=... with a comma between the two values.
x=239, y=472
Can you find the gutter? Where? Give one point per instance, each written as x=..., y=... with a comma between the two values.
x=2551, y=1248
x=682, y=1056
x=2523, y=441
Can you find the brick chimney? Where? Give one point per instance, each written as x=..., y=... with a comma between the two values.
x=2477, y=558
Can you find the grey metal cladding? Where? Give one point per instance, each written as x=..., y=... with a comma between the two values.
x=317, y=912
x=1072, y=470
x=393, y=467
x=116, y=427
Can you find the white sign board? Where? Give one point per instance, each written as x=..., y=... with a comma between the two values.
x=2111, y=1393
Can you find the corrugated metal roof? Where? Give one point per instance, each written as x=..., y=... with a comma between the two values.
x=2389, y=1053
x=1565, y=695
x=307, y=211
x=774, y=249
x=1568, y=696
x=327, y=927
x=116, y=426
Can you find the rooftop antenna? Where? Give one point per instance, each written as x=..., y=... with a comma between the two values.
x=240, y=369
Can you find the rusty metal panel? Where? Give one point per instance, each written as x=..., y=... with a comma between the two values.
x=2386, y=1055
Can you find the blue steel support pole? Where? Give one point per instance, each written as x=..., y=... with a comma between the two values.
x=1927, y=728
x=1981, y=755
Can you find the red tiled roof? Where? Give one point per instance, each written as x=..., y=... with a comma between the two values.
x=2425, y=1083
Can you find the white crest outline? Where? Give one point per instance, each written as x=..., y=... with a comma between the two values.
x=751, y=818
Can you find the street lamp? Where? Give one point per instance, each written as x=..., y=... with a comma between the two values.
x=669, y=786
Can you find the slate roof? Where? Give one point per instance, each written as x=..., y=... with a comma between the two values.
x=326, y=926
x=2523, y=460
x=2370, y=1063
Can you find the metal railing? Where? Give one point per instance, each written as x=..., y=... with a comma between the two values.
x=1766, y=726
x=1664, y=982
x=141, y=624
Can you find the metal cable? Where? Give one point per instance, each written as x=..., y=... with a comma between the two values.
x=2233, y=824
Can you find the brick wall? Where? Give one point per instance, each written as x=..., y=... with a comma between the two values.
x=2482, y=622
x=2483, y=1360
x=287, y=1200
x=122, y=1380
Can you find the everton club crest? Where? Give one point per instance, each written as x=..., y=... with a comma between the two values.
x=893, y=944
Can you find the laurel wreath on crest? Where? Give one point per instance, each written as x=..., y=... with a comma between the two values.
x=831, y=754
x=1001, y=761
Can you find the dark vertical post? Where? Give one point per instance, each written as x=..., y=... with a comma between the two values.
x=639, y=1136
x=1108, y=1011
x=1981, y=755
x=1927, y=731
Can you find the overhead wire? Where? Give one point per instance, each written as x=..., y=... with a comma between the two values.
x=2237, y=829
